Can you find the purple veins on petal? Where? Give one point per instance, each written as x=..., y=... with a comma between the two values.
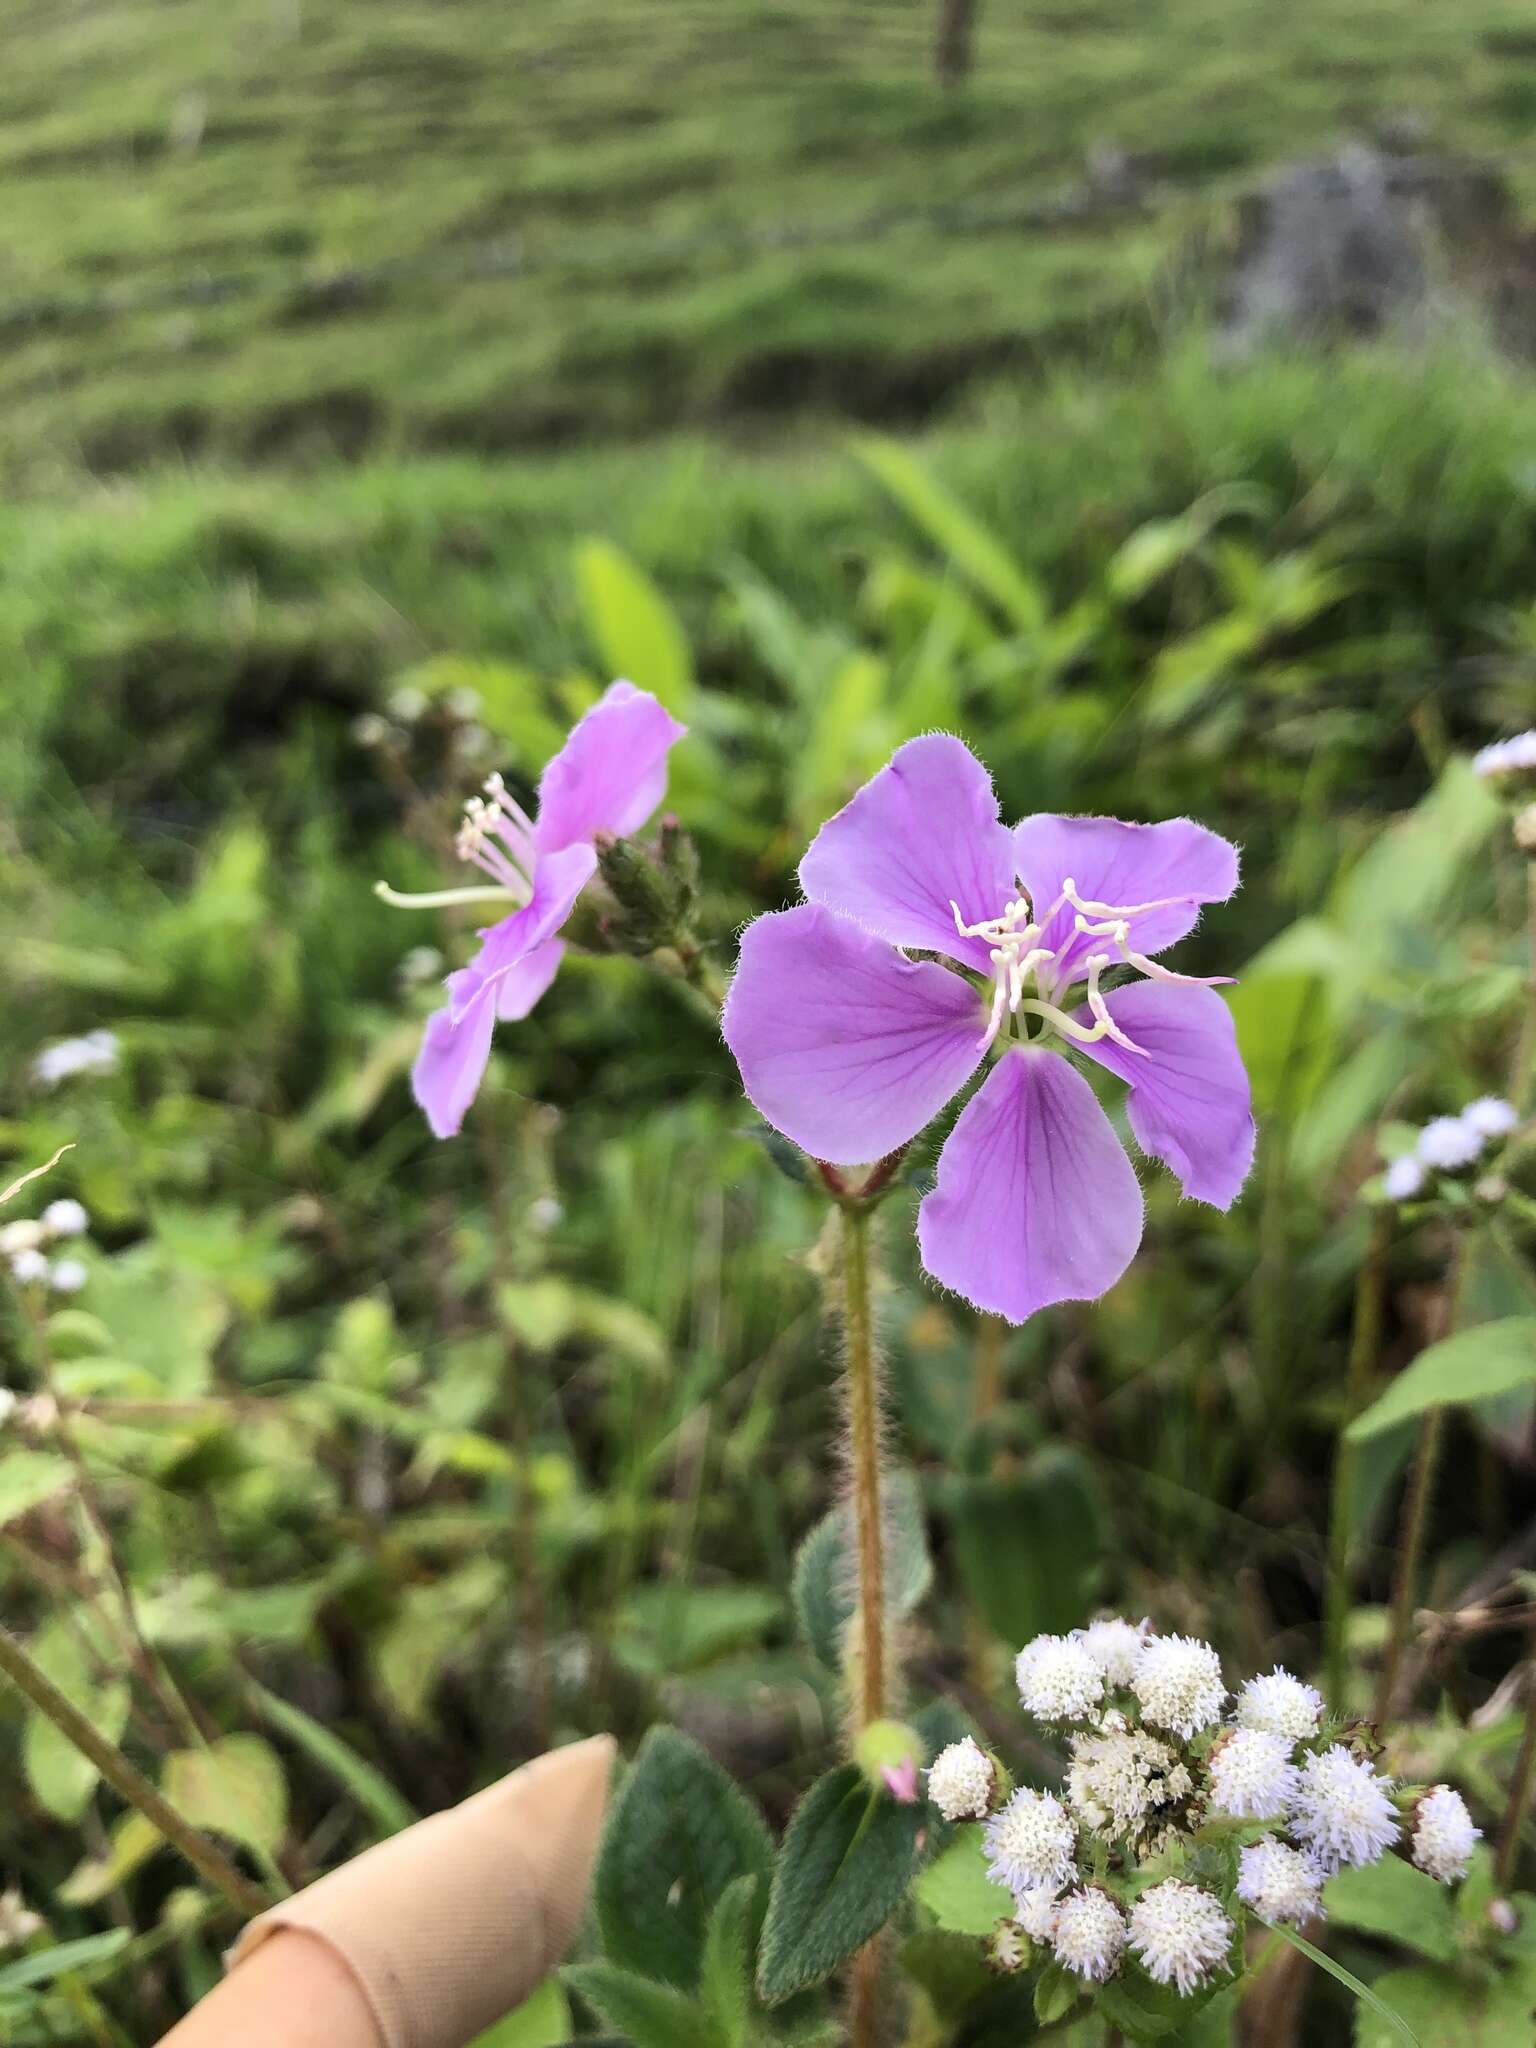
x=919, y=838
x=610, y=774
x=1190, y=1104
x=843, y=1045
x=1036, y=1201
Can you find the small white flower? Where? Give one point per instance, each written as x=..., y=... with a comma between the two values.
x=1507, y=760
x=961, y=1781
x=1403, y=1179
x=1035, y=1911
x=406, y=704
x=1447, y=1143
x=1090, y=1934
x=67, y=1276
x=1343, y=1810
x=1030, y=1842
x=1282, y=1704
x=545, y=1212
x=1113, y=1644
x=66, y=1218
x=96, y=1053
x=1491, y=1116
x=21, y=1237
x=1252, y=1776
x=1058, y=1679
x=1279, y=1882
x=28, y=1268
x=1180, y=1933
x=1116, y=1779
x=1443, y=1834
x=1178, y=1682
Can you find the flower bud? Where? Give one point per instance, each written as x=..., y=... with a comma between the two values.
x=889, y=1748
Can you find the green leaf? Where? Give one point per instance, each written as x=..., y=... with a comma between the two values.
x=957, y=1891
x=543, y=2021
x=974, y=551
x=1475, y=1365
x=634, y=630
x=1286, y=1033
x=1147, y=2011
x=368, y=1786
x=1392, y=1899
x=28, y=1478
x=132, y=1842
x=64, y=1959
x=1441, y=2008
x=235, y=1787
x=679, y=1834
x=1057, y=1990
x=725, y=1980
x=1030, y=1544
x=652, y=2015
x=1395, y=2027
x=59, y=1775
x=824, y=1579
x=845, y=1865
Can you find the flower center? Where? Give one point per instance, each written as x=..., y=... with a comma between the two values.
x=496, y=836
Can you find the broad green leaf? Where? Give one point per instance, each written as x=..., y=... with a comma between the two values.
x=678, y=1834
x=633, y=629
x=845, y=1865
x=1030, y=1544
x=1057, y=1990
x=1475, y=1365
x=235, y=1787
x=373, y=1792
x=543, y=2021
x=1147, y=2011
x=974, y=551
x=1436, y=2007
x=1286, y=1033
x=1412, y=865
x=28, y=1478
x=824, y=1579
x=725, y=1981
x=1392, y=1899
x=652, y=2015
x=64, y=1959
x=957, y=1891
x=61, y=1777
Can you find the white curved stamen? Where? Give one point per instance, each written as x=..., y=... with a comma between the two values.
x=443, y=899
x=1106, y=1024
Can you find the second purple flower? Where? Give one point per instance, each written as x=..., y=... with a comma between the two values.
x=849, y=1045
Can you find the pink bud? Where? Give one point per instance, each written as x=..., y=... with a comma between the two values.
x=901, y=1781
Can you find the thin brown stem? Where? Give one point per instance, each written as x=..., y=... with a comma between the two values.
x=864, y=2001
x=1519, y=1790
x=1410, y=1553
x=864, y=1465
x=1360, y=1372
x=205, y=1857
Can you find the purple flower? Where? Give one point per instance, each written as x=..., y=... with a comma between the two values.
x=607, y=778
x=849, y=1045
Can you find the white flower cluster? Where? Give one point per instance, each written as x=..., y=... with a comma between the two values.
x=1155, y=1759
x=97, y=1053
x=25, y=1248
x=1508, y=764
x=1450, y=1145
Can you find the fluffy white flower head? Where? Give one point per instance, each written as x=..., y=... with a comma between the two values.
x=1279, y=1883
x=1448, y=1143
x=1443, y=1835
x=1029, y=1842
x=66, y=1218
x=1178, y=1682
x=961, y=1781
x=1403, y=1179
x=29, y=1268
x=67, y=1276
x=1342, y=1811
x=1114, y=1643
x=1180, y=1933
x=1491, y=1116
x=1252, y=1776
x=1090, y=1934
x=1281, y=1704
x=1115, y=1780
x=1058, y=1679
x=1035, y=1911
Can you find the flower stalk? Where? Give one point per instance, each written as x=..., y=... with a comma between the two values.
x=1415, y=1525
x=205, y=1857
x=1364, y=1348
x=867, y=1692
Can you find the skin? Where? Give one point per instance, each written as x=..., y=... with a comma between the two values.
x=294, y=1990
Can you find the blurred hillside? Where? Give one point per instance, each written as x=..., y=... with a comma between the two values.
x=275, y=229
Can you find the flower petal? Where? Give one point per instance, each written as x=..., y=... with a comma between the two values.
x=453, y=1054
x=843, y=1045
x=523, y=986
x=1112, y=862
x=1190, y=1104
x=558, y=879
x=1035, y=1202
x=610, y=774
x=920, y=835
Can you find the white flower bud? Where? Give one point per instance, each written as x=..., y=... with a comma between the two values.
x=962, y=1780
x=1443, y=1835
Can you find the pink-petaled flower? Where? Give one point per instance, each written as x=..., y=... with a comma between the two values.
x=607, y=779
x=851, y=1036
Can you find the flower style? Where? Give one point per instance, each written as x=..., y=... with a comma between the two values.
x=849, y=1044
x=606, y=780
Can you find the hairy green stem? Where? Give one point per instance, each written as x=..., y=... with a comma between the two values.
x=1519, y=1790
x=1364, y=1346
x=1415, y=1525
x=862, y=1372
x=205, y=1857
